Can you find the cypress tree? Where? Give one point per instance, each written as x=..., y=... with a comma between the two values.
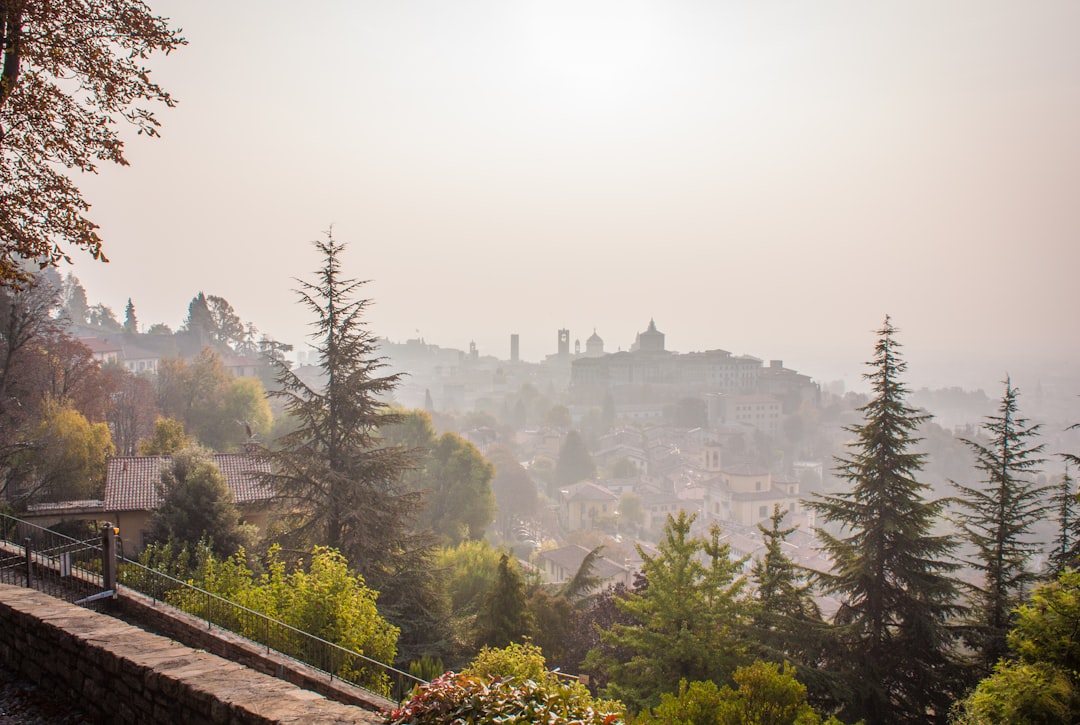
x=997, y=518
x=889, y=570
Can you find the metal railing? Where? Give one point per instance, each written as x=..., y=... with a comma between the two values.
x=70, y=569
x=43, y=559
x=333, y=660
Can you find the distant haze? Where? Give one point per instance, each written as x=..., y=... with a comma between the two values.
x=767, y=178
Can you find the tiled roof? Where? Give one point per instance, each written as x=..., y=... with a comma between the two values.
x=569, y=558
x=589, y=491
x=131, y=482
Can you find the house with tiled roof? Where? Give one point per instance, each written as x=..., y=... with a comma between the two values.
x=558, y=566
x=122, y=352
x=132, y=492
x=583, y=503
x=746, y=494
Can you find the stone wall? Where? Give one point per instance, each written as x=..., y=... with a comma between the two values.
x=122, y=674
x=173, y=623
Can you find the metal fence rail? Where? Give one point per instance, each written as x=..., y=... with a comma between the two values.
x=334, y=660
x=70, y=569
x=51, y=562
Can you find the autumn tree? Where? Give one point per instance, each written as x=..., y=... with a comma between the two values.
x=220, y=410
x=168, y=438
x=890, y=570
x=64, y=457
x=132, y=408
x=70, y=72
x=998, y=516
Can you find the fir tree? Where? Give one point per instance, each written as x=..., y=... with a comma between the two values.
x=689, y=621
x=1066, y=553
x=504, y=615
x=342, y=485
x=787, y=621
x=889, y=569
x=997, y=519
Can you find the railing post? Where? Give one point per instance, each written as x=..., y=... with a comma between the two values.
x=108, y=558
x=28, y=548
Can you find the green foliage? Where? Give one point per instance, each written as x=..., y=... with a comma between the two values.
x=998, y=518
x=341, y=485
x=218, y=409
x=892, y=573
x=1042, y=685
x=169, y=437
x=516, y=497
x=766, y=695
x=427, y=668
x=460, y=698
x=787, y=622
x=452, y=476
x=1020, y=693
x=324, y=599
x=519, y=660
x=65, y=456
x=1066, y=551
x=510, y=685
x=504, y=616
x=688, y=622
x=470, y=569
x=197, y=505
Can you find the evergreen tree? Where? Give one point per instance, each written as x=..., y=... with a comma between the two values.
x=504, y=615
x=75, y=302
x=1066, y=551
x=688, y=621
x=888, y=568
x=997, y=519
x=332, y=472
x=196, y=505
x=199, y=322
x=574, y=464
x=131, y=323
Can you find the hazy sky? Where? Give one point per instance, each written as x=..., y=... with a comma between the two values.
x=769, y=178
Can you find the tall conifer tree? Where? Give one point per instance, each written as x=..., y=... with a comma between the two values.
x=1066, y=552
x=997, y=519
x=334, y=474
x=889, y=570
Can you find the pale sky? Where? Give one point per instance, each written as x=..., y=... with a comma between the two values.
x=770, y=178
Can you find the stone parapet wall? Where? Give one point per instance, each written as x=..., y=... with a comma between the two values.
x=185, y=628
x=119, y=673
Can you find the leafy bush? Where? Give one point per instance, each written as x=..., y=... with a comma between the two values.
x=478, y=700
x=507, y=685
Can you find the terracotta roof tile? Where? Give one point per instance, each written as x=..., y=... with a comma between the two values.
x=131, y=482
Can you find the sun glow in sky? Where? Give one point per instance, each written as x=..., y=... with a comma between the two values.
x=769, y=178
